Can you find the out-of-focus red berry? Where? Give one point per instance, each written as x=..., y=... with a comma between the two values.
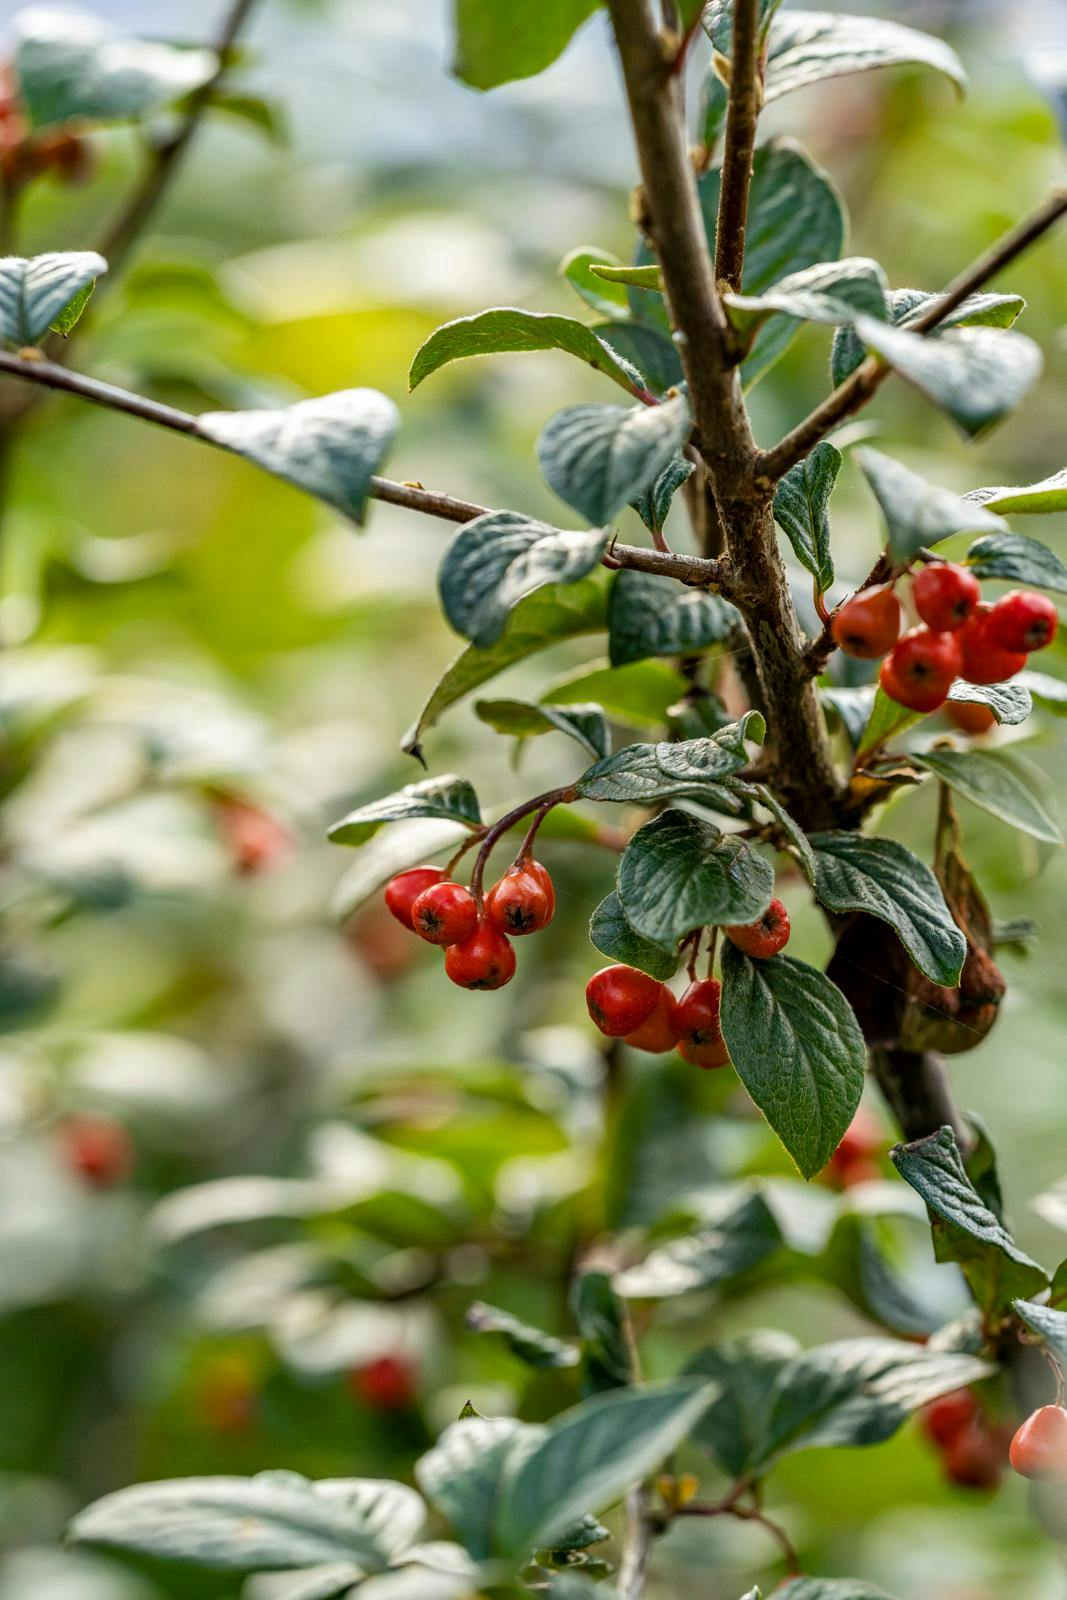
x=255, y=839
x=388, y=1383
x=97, y=1149
x=1023, y=621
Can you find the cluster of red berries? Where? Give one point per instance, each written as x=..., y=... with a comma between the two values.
x=973, y=1448
x=478, y=949
x=627, y=1004
x=961, y=635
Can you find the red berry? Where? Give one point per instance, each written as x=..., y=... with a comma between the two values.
x=1039, y=1449
x=518, y=903
x=255, y=839
x=659, y=1032
x=867, y=625
x=545, y=880
x=852, y=1162
x=698, y=1013
x=620, y=999
x=985, y=661
x=919, y=671
x=97, y=1149
x=945, y=595
x=970, y=717
x=766, y=937
x=402, y=891
x=948, y=1415
x=1023, y=621
x=709, y=1056
x=973, y=1459
x=445, y=913
x=485, y=960
x=385, y=1384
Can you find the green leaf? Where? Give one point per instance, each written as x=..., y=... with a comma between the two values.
x=508, y=329
x=775, y=1399
x=71, y=315
x=640, y=693
x=599, y=458
x=461, y=1474
x=613, y=935
x=740, y=1235
x=830, y=1588
x=806, y=47
x=903, y=305
x=42, y=291
x=536, y=1349
x=964, y=1229
x=274, y=1521
x=652, y=506
x=852, y=706
x=797, y=1048
x=1048, y=495
x=606, y=297
x=887, y=719
x=1018, y=559
x=643, y=773
x=977, y=375
x=991, y=779
x=801, y=510
x=497, y=45
x=266, y=116
x=680, y=872
x=545, y=618
x=499, y=559
x=652, y=616
x=585, y=724
x=74, y=67
x=916, y=514
x=718, y=22
x=650, y=349
x=886, y=880
x=330, y=447
x=408, y=844
x=1050, y=1327
x=833, y=292
x=1009, y=702
x=449, y=799
x=607, y=1351
x=589, y=1457
x=1049, y=692
x=650, y=278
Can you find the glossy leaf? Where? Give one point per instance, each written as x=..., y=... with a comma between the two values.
x=652, y=506
x=509, y=329
x=502, y=557
x=330, y=447
x=614, y=935
x=585, y=724
x=679, y=872
x=886, y=880
x=1048, y=495
x=448, y=799
x=977, y=375
x=903, y=305
x=653, y=616
x=801, y=510
x=833, y=292
x=639, y=694
x=37, y=292
x=741, y=1236
x=797, y=1048
x=992, y=780
x=643, y=773
x=599, y=458
x=1017, y=559
x=536, y=1349
x=496, y=45
x=917, y=514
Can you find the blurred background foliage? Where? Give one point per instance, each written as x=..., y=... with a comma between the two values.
x=182, y=633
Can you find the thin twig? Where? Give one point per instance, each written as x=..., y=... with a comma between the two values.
x=857, y=389
x=742, y=116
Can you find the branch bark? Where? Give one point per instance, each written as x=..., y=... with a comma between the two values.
x=742, y=117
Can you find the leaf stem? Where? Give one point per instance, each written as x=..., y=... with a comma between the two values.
x=541, y=803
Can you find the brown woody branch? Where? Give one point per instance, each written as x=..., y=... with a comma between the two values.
x=742, y=117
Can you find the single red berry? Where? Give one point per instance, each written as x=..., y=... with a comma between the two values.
x=97, y=1149
x=919, y=671
x=518, y=903
x=985, y=661
x=544, y=878
x=484, y=960
x=714, y=1053
x=973, y=1459
x=445, y=913
x=389, y=1383
x=945, y=595
x=659, y=1032
x=698, y=1012
x=970, y=717
x=402, y=891
x=766, y=937
x=853, y=1161
x=1039, y=1448
x=948, y=1415
x=620, y=999
x=255, y=839
x=867, y=625
x=1023, y=621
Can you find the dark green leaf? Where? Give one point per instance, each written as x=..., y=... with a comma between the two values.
x=886, y=880
x=856, y=1260
x=585, y=724
x=964, y=1228
x=607, y=298
x=640, y=694
x=45, y=291
x=652, y=616
x=1020, y=560
x=992, y=780
x=607, y=1346
x=599, y=458
x=887, y=719
x=498, y=559
x=506, y=328
x=718, y=22
x=801, y=510
x=461, y=1474
x=497, y=45
x=1049, y=692
x=830, y=1588
x=73, y=67
x=679, y=872
x=651, y=351
x=1048, y=495
x=330, y=447
x=449, y=799
x=276, y=1520
x=535, y=1348
x=794, y=833
x=902, y=305
x=740, y=1234
x=646, y=772
x=652, y=506
x=852, y=706
x=917, y=514
x=613, y=935
x=1050, y=1326
x=833, y=292
x=977, y=375
x=797, y=1048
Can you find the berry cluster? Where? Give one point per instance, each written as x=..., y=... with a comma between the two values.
x=973, y=1448
x=478, y=949
x=960, y=634
x=627, y=1004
